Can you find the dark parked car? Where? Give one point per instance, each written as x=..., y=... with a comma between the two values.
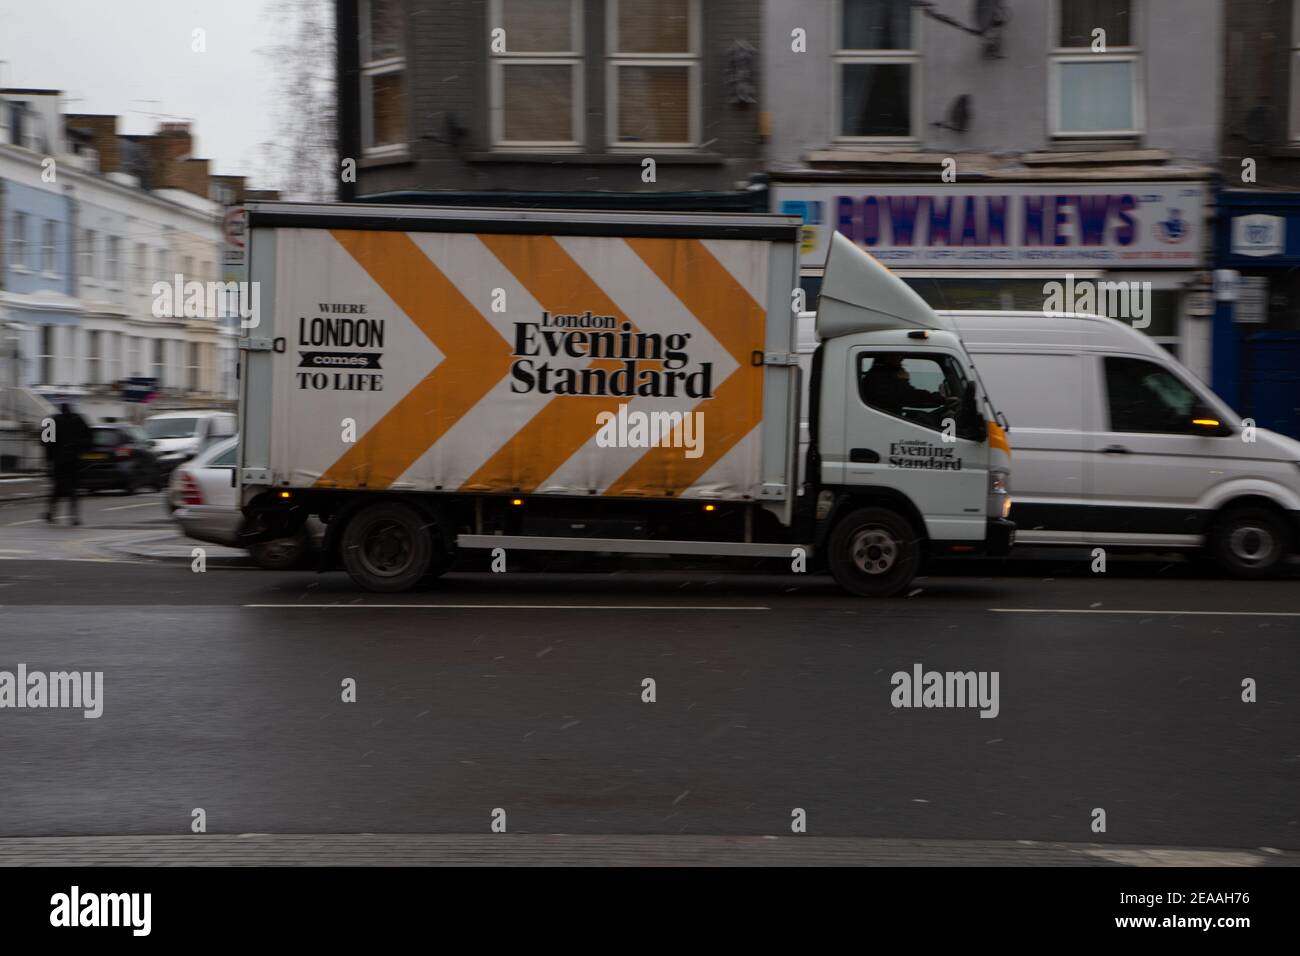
x=121, y=457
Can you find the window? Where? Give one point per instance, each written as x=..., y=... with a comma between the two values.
x=141, y=262
x=112, y=264
x=227, y=458
x=1145, y=397
x=48, y=247
x=923, y=389
x=93, y=359
x=536, y=80
x=164, y=266
x=88, y=254
x=47, y=355
x=18, y=242
x=187, y=268
x=159, y=361
x=383, y=78
x=193, y=368
x=653, y=78
x=1095, y=75
x=877, y=70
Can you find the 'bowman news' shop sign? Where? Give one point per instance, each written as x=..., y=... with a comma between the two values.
x=1085, y=226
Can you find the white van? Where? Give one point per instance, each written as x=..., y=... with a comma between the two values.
x=179, y=436
x=1116, y=444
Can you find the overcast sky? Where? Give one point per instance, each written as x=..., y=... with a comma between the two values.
x=134, y=58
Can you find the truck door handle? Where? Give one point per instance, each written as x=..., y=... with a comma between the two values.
x=1114, y=450
x=863, y=456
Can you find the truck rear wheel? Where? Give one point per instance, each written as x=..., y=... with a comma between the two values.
x=386, y=547
x=874, y=552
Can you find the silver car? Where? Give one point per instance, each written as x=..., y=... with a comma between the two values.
x=203, y=490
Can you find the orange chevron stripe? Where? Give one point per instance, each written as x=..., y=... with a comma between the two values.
x=723, y=307
x=565, y=423
x=475, y=358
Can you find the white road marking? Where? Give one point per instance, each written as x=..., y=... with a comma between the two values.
x=14, y=524
x=1065, y=610
x=13, y=551
x=535, y=607
x=147, y=504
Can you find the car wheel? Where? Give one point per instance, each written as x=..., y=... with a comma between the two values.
x=282, y=554
x=128, y=485
x=1250, y=542
x=874, y=552
x=387, y=548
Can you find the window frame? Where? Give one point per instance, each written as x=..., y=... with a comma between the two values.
x=50, y=248
x=692, y=60
x=18, y=245
x=497, y=62
x=369, y=69
x=1059, y=55
x=88, y=240
x=844, y=56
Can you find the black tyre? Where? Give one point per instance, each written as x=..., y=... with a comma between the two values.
x=387, y=548
x=1250, y=542
x=128, y=483
x=874, y=552
x=283, y=554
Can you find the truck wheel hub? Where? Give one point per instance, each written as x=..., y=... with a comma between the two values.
x=874, y=551
x=386, y=549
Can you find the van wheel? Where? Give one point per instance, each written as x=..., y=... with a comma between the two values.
x=1250, y=542
x=874, y=552
x=387, y=548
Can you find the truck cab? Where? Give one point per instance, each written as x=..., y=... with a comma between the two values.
x=903, y=432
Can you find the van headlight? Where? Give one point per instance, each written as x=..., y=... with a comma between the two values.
x=998, y=483
x=999, y=494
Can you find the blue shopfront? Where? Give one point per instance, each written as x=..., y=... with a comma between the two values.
x=1256, y=341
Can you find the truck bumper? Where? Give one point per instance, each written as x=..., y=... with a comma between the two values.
x=999, y=536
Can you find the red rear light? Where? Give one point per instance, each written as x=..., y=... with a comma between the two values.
x=122, y=452
x=190, y=493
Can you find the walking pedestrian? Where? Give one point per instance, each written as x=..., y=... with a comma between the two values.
x=71, y=437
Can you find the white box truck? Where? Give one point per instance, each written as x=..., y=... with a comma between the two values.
x=429, y=380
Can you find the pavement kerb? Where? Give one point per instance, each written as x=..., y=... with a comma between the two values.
x=422, y=849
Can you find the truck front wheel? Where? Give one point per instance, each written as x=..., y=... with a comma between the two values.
x=387, y=548
x=874, y=552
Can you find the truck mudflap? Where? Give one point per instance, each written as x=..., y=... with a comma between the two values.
x=999, y=536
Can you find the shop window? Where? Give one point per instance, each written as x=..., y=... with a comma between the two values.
x=383, y=79
x=1096, y=70
x=654, y=72
x=877, y=70
x=536, y=73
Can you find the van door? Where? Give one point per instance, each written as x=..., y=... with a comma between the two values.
x=1150, y=465
x=901, y=405
x=1047, y=404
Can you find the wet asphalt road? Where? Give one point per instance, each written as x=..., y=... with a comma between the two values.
x=222, y=690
